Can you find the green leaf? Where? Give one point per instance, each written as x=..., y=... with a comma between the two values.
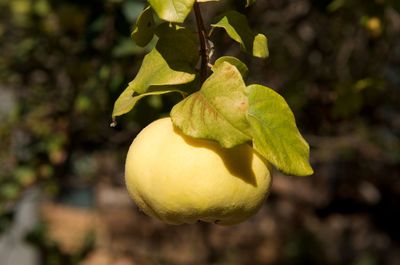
x=172, y=10
x=127, y=100
x=153, y=63
x=238, y=29
x=275, y=134
x=143, y=31
x=218, y=111
x=172, y=62
x=234, y=61
x=156, y=71
x=177, y=45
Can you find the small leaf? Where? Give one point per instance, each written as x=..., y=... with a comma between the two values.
x=234, y=61
x=275, y=134
x=127, y=100
x=172, y=10
x=238, y=29
x=260, y=46
x=143, y=31
x=218, y=111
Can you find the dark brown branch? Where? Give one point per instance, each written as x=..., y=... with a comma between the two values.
x=203, y=42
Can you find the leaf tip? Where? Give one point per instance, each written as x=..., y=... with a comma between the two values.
x=113, y=123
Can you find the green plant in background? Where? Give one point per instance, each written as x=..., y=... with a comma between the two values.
x=218, y=105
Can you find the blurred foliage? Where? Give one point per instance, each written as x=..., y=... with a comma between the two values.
x=50, y=251
x=64, y=62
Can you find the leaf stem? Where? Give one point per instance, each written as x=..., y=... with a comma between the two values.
x=204, y=49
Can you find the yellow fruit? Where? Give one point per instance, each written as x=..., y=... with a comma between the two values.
x=179, y=179
x=374, y=26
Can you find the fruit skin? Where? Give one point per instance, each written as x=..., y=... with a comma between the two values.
x=179, y=179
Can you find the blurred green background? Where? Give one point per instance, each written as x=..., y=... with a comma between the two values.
x=63, y=63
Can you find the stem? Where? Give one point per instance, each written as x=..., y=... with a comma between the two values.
x=203, y=42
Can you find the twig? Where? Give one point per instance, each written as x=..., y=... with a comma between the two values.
x=204, y=50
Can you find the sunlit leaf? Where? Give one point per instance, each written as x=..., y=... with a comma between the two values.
x=238, y=29
x=155, y=70
x=171, y=62
x=127, y=100
x=172, y=10
x=218, y=111
x=275, y=134
x=234, y=61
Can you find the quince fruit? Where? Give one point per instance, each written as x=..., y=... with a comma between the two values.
x=179, y=179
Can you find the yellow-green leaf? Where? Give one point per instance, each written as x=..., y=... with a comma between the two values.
x=274, y=131
x=234, y=61
x=127, y=100
x=172, y=62
x=218, y=111
x=156, y=71
x=237, y=27
x=172, y=10
x=260, y=46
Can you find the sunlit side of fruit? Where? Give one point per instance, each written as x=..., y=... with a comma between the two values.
x=179, y=179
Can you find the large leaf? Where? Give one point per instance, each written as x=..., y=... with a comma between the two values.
x=218, y=111
x=238, y=29
x=172, y=10
x=275, y=134
x=143, y=31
